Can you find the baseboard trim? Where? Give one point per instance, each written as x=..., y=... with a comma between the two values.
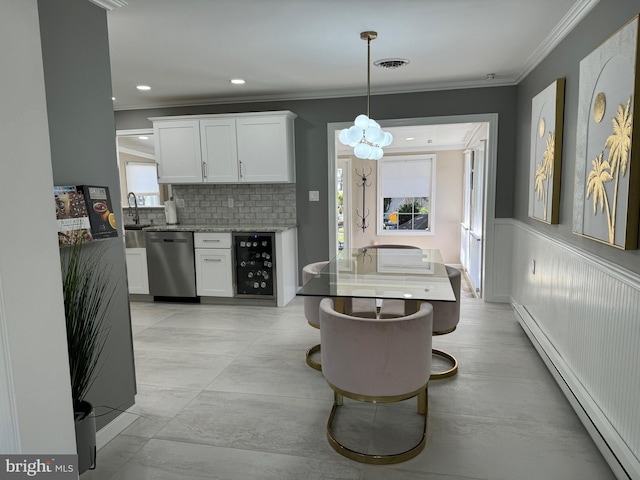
x=612, y=447
x=116, y=426
x=501, y=298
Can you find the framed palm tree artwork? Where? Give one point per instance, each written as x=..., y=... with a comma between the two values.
x=607, y=174
x=547, y=110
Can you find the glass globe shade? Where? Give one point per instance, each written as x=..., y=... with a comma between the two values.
x=362, y=121
x=362, y=150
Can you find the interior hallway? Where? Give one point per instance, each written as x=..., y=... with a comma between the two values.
x=226, y=394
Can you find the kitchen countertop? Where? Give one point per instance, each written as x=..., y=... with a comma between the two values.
x=218, y=228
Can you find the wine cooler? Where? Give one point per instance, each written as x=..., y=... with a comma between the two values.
x=255, y=265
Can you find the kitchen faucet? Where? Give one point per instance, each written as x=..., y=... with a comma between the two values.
x=136, y=217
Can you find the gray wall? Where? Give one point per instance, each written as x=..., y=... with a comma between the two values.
x=602, y=22
x=311, y=142
x=36, y=413
x=77, y=75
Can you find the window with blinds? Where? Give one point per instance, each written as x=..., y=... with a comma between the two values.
x=141, y=178
x=406, y=185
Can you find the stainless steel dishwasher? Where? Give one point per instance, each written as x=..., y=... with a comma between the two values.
x=171, y=264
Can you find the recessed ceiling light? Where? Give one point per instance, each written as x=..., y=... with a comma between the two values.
x=237, y=81
x=143, y=138
x=113, y=98
x=143, y=87
x=410, y=138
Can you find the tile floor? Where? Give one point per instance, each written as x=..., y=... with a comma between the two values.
x=224, y=393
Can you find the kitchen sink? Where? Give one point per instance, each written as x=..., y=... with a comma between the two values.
x=136, y=226
x=134, y=236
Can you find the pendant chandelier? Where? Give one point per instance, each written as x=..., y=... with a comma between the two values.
x=365, y=136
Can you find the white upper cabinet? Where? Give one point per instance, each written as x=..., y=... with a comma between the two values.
x=249, y=148
x=178, y=151
x=219, y=150
x=263, y=144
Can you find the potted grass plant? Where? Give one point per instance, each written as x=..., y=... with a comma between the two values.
x=88, y=294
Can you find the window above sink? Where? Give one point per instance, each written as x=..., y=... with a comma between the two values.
x=138, y=169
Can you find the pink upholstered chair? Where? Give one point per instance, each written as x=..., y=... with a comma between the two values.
x=446, y=316
x=312, y=309
x=377, y=361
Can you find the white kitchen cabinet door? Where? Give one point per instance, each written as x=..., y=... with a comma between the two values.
x=219, y=150
x=178, y=151
x=265, y=149
x=213, y=272
x=137, y=276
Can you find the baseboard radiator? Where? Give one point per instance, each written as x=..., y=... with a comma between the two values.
x=583, y=315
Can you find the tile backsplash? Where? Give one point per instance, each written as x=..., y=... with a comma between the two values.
x=253, y=204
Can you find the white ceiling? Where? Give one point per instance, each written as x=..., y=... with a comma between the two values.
x=188, y=50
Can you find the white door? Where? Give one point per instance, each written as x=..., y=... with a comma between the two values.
x=178, y=151
x=262, y=149
x=343, y=203
x=213, y=272
x=219, y=150
x=477, y=217
x=466, y=209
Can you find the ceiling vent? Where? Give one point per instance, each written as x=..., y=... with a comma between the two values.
x=391, y=63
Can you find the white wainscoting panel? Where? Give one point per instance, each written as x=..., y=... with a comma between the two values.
x=584, y=313
x=500, y=279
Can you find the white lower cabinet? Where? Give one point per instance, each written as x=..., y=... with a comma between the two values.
x=137, y=276
x=214, y=276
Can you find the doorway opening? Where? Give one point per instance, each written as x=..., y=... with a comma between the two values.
x=460, y=226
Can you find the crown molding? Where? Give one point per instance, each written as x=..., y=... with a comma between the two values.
x=323, y=95
x=109, y=4
x=564, y=27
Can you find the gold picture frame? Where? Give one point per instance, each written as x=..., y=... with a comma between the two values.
x=607, y=174
x=547, y=119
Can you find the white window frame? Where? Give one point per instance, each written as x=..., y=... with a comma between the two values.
x=151, y=166
x=431, y=157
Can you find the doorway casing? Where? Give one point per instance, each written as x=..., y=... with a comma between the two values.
x=489, y=182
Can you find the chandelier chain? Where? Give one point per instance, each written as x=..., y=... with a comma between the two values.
x=369, y=76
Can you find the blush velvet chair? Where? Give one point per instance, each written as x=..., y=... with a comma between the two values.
x=312, y=308
x=312, y=305
x=446, y=316
x=376, y=361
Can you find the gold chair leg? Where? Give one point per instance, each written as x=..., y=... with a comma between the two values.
x=422, y=401
x=310, y=361
x=379, y=459
x=447, y=373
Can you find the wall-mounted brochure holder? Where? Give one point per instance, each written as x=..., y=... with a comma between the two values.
x=84, y=213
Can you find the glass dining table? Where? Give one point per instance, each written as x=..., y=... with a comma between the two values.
x=382, y=273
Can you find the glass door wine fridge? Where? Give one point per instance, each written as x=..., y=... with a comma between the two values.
x=255, y=265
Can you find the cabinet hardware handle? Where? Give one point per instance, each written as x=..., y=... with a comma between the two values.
x=212, y=260
x=204, y=170
x=210, y=240
x=240, y=168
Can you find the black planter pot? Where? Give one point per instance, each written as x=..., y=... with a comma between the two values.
x=85, y=436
